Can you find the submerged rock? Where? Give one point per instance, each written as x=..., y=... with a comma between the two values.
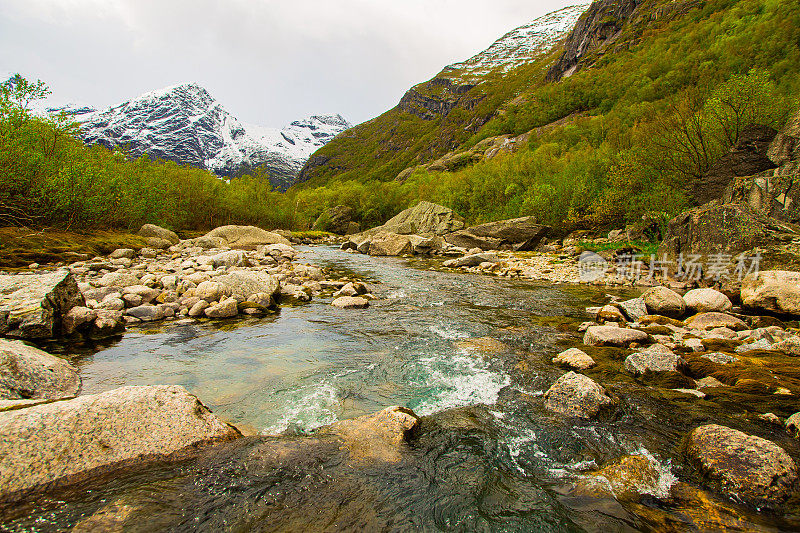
x=743, y=467
x=32, y=306
x=57, y=441
x=27, y=373
x=613, y=336
x=626, y=479
x=576, y=395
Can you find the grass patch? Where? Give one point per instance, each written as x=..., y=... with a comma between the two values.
x=20, y=247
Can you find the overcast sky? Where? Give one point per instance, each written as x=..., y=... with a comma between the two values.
x=268, y=61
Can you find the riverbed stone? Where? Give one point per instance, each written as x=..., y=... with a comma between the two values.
x=610, y=313
x=231, y=258
x=147, y=294
x=705, y=300
x=574, y=358
x=613, y=336
x=227, y=308
x=741, y=466
x=472, y=260
x=789, y=346
x=243, y=283
x=118, y=280
x=27, y=373
x=198, y=308
x=120, y=253
x=777, y=291
x=245, y=237
x=793, y=424
x=32, y=306
x=656, y=358
x=350, y=302
x=720, y=358
x=664, y=301
x=626, y=479
x=576, y=395
x=713, y=320
x=147, y=312
x=76, y=318
x=386, y=243
x=634, y=309
x=57, y=442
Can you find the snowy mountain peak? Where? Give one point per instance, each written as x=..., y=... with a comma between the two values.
x=519, y=46
x=185, y=124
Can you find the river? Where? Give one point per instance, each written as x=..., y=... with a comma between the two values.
x=489, y=457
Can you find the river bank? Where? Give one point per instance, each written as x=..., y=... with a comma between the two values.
x=472, y=355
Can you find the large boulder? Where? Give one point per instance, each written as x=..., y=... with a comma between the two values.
x=576, y=395
x=521, y=234
x=741, y=466
x=747, y=157
x=777, y=291
x=151, y=231
x=731, y=229
x=337, y=220
x=472, y=260
x=27, y=373
x=423, y=218
x=704, y=300
x=613, y=336
x=664, y=301
x=391, y=244
x=626, y=479
x=714, y=320
x=245, y=237
x=381, y=436
x=32, y=306
x=243, y=283
x=60, y=441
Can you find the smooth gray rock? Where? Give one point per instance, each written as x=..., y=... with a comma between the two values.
x=777, y=291
x=147, y=313
x=634, y=308
x=705, y=300
x=27, y=373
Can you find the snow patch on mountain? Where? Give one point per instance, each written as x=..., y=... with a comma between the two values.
x=519, y=46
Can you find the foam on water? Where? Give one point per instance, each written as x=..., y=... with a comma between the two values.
x=311, y=408
x=449, y=333
x=396, y=295
x=457, y=381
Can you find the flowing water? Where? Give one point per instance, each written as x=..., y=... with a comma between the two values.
x=488, y=457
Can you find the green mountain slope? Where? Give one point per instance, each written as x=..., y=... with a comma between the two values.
x=587, y=135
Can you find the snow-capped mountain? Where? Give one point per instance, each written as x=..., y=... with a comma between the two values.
x=185, y=124
x=519, y=46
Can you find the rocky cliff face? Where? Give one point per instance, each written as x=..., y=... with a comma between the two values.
x=185, y=124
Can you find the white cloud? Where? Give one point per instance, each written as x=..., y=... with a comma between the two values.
x=268, y=61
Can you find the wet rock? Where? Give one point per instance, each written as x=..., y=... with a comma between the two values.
x=713, y=320
x=793, y=424
x=32, y=306
x=198, y=308
x=381, y=436
x=295, y=292
x=225, y=309
x=657, y=358
x=609, y=313
x=705, y=300
x=720, y=358
x=576, y=395
x=57, y=441
x=742, y=467
x=634, y=308
x=350, y=302
x=761, y=344
x=664, y=301
x=389, y=244
x=626, y=479
x=27, y=373
x=777, y=291
x=790, y=346
x=152, y=231
x=484, y=344
x=574, y=358
x=613, y=336
x=107, y=323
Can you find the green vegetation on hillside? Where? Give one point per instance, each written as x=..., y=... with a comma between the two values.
x=650, y=115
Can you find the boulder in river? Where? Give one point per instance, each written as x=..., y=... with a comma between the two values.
x=32, y=306
x=27, y=373
x=714, y=320
x=423, y=218
x=245, y=237
x=381, y=435
x=350, y=302
x=574, y=358
x=626, y=479
x=777, y=291
x=576, y=395
x=664, y=301
x=520, y=234
x=338, y=219
x=743, y=467
x=243, y=283
x=705, y=300
x=151, y=231
x=634, y=309
x=471, y=260
x=613, y=336
x=63, y=440
x=390, y=244
x=656, y=358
